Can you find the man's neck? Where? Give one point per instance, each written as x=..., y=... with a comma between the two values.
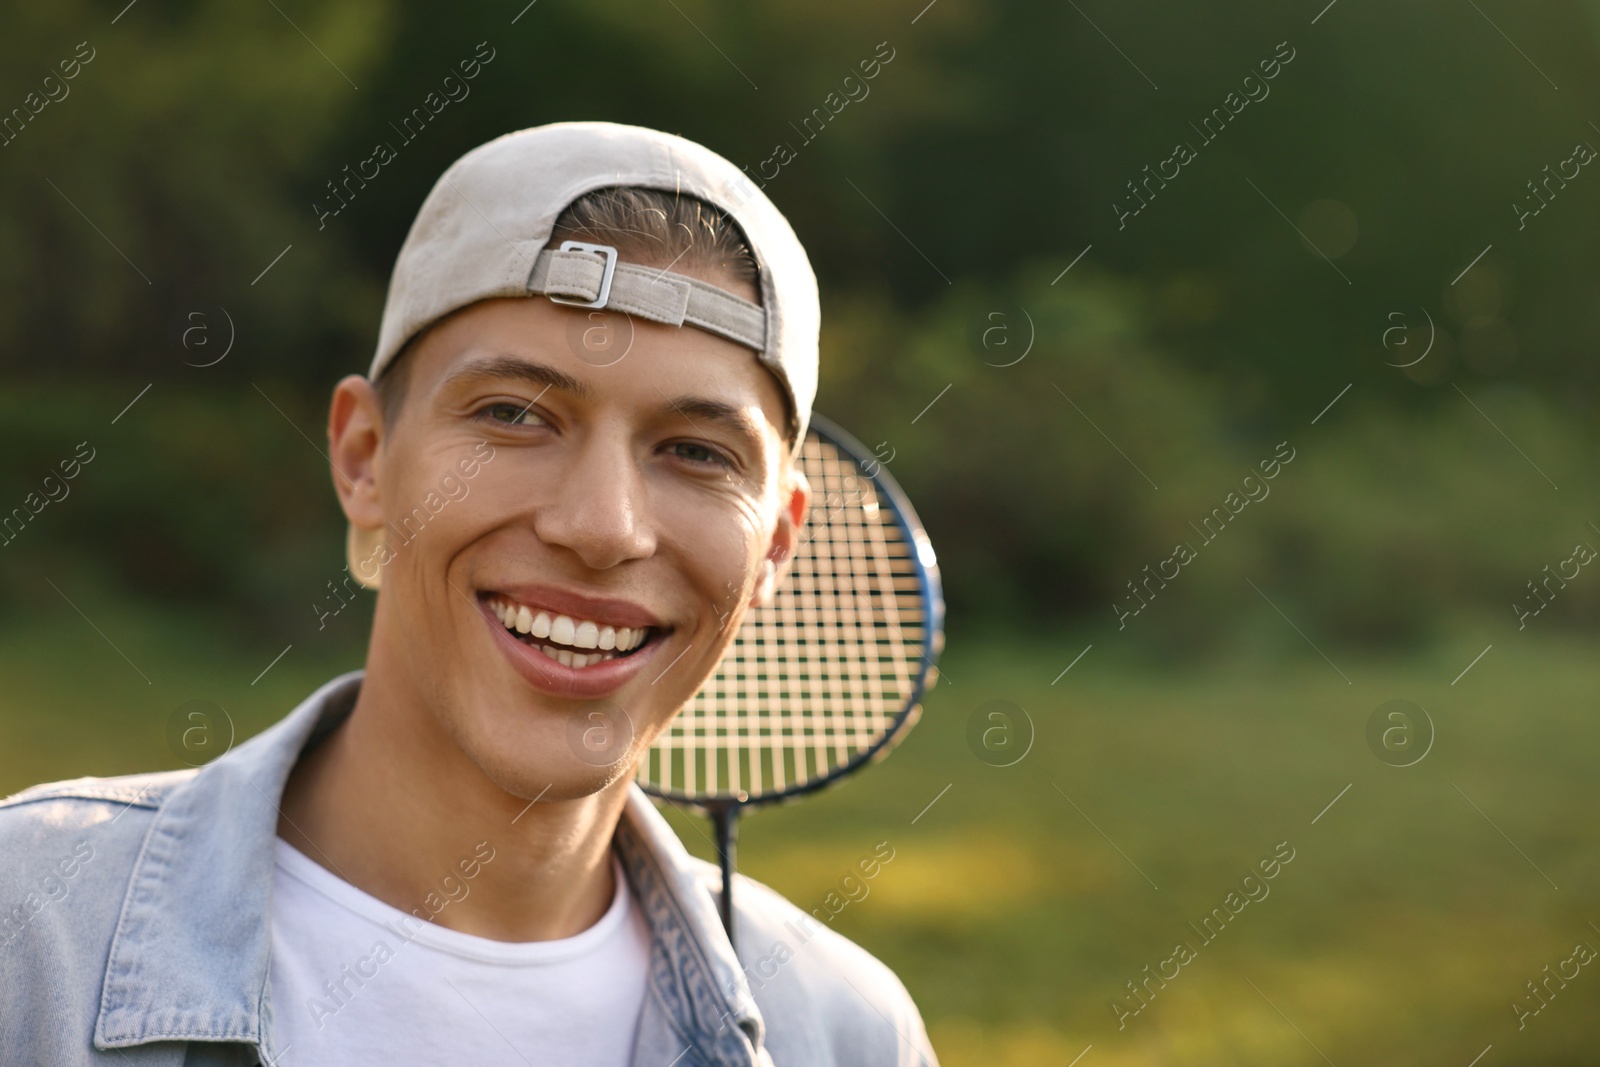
x=390, y=804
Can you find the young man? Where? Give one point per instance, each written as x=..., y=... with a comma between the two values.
x=568, y=475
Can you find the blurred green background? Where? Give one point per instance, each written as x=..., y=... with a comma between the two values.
x=1068, y=389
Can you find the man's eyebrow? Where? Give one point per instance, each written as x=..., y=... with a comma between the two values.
x=519, y=369
x=696, y=408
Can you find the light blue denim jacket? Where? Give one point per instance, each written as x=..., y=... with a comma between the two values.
x=136, y=929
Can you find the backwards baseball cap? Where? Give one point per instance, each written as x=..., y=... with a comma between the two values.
x=484, y=228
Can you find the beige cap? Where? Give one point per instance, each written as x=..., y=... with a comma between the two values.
x=483, y=229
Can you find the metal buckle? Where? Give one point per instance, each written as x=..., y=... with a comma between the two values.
x=610, y=254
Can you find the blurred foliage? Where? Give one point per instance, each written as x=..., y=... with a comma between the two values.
x=1055, y=482
x=940, y=210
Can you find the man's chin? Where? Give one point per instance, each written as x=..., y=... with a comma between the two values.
x=558, y=757
x=552, y=781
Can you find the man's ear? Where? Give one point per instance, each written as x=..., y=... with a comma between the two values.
x=785, y=537
x=355, y=439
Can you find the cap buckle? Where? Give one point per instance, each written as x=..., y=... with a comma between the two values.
x=609, y=253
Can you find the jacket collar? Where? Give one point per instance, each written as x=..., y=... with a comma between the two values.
x=189, y=960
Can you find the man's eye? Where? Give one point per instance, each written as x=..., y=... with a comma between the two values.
x=700, y=454
x=513, y=414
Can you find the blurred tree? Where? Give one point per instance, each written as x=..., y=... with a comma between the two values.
x=165, y=178
x=181, y=168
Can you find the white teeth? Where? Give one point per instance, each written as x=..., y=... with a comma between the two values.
x=568, y=631
x=587, y=635
x=568, y=658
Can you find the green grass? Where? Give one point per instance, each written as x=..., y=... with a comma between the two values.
x=1399, y=934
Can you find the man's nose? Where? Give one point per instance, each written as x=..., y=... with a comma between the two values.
x=600, y=506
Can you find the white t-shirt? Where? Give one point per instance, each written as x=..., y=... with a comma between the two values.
x=358, y=983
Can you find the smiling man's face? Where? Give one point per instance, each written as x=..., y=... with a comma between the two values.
x=620, y=516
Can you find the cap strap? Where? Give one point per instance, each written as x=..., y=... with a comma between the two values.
x=577, y=276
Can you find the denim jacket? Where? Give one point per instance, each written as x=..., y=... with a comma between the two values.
x=136, y=930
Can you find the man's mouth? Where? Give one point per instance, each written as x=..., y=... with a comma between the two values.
x=572, y=642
